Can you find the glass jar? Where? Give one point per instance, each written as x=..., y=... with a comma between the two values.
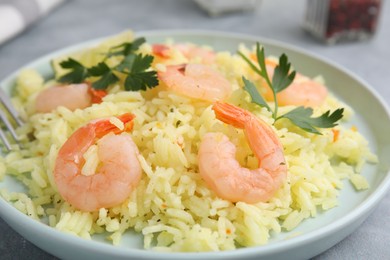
x=342, y=20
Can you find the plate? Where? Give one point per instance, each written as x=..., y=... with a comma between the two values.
x=316, y=235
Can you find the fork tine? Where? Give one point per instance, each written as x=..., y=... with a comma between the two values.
x=8, y=125
x=5, y=100
x=5, y=140
x=4, y=118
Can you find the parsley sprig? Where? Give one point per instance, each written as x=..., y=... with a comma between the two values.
x=282, y=78
x=134, y=66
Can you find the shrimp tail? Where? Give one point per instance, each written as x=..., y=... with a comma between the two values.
x=97, y=95
x=104, y=127
x=231, y=115
x=127, y=120
x=160, y=50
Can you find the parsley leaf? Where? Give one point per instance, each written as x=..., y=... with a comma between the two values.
x=141, y=81
x=138, y=78
x=106, y=74
x=135, y=63
x=126, y=48
x=256, y=97
x=77, y=74
x=134, y=66
x=282, y=78
x=301, y=117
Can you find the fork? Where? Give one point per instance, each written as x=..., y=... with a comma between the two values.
x=9, y=110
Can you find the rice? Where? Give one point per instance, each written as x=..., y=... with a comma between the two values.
x=172, y=207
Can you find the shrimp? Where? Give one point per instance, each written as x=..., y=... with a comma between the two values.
x=223, y=173
x=197, y=81
x=303, y=91
x=72, y=96
x=189, y=51
x=115, y=178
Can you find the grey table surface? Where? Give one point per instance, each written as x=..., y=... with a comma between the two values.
x=82, y=20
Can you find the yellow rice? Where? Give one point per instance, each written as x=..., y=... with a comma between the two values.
x=172, y=207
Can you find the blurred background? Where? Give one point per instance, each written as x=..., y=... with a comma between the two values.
x=32, y=28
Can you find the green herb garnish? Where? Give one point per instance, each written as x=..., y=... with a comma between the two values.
x=301, y=117
x=126, y=48
x=106, y=75
x=282, y=78
x=77, y=74
x=134, y=66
